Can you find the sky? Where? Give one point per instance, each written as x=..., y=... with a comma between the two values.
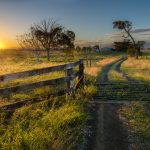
x=91, y=20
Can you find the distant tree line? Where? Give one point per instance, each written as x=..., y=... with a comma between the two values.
x=47, y=35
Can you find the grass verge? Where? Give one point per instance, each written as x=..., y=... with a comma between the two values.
x=137, y=118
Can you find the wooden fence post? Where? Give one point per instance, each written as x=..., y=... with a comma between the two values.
x=70, y=82
x=81, y=72
x=90, y=62
x=87, y=62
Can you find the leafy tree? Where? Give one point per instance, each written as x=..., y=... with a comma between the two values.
x=47, y=35
x=122, y=46
x=127, y=27
x=67, y=39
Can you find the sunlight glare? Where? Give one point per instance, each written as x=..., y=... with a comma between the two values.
x=2, y=45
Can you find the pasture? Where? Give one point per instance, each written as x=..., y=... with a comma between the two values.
x=62, y=122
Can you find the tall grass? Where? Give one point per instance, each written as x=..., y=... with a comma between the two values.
x=138, y=69
x=44, y=127
x=57, y=123
x=137, y=118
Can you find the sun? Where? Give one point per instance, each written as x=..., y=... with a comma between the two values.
x=2, y=45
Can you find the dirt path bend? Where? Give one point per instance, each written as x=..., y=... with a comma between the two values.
x=118, y=69
x=106, y=69
x=110, y=132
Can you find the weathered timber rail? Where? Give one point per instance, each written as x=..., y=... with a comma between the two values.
x=69, y=78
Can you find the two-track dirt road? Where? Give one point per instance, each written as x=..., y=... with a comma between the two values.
x=110, y=131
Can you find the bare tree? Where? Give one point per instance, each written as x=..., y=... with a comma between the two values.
x=127, y=27
x=29, y=41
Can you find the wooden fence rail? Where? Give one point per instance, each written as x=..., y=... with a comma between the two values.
x=13, y=76
x=69, y=79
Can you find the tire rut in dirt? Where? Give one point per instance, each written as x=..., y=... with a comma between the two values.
x=110, y=132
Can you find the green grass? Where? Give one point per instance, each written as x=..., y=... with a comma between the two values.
x=37, y=128
x=56, y=123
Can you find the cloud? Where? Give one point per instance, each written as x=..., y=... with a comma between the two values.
x=139, y=35
x=141, y=30
x=145, y=34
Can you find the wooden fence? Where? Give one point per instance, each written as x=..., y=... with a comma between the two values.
x=69, y=78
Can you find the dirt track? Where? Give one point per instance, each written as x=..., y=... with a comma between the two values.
x=110, y=132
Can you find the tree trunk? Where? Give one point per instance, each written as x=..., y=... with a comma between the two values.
x=37, y=55
x=139, y=51
x=133, y=41
x=48, y=54
x=135, y=47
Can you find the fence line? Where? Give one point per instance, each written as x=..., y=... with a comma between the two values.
x=13, y=76
x=69, y=79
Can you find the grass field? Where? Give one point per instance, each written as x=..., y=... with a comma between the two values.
x=61, y=122
x=137, y=120
x=57, y=122
x=138, y=69
x=137, y=115
x=17, y=60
